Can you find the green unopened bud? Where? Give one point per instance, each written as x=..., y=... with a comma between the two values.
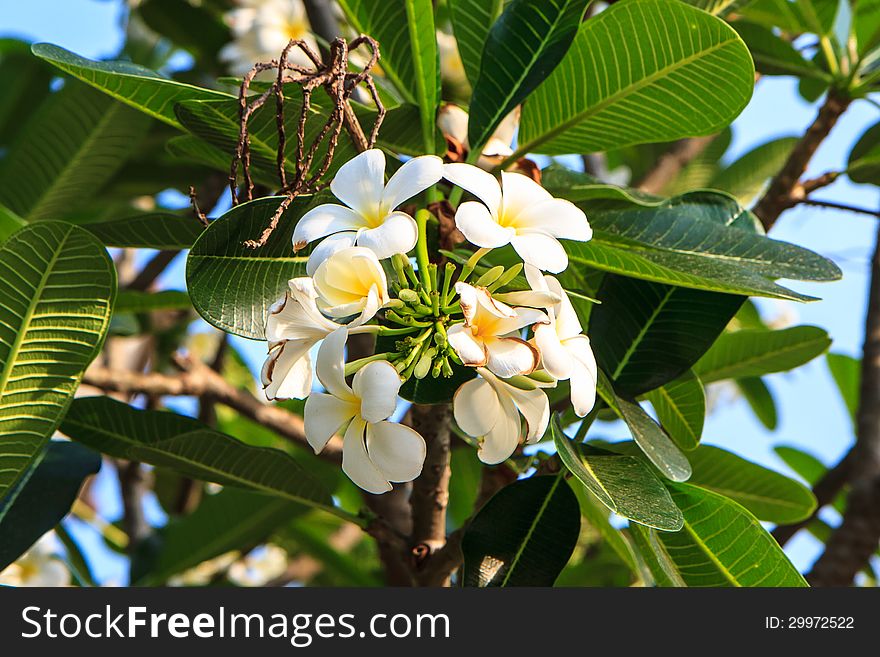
x=490, y=276
x=541, y=376
x=440, y=339
x=508, y=276
x=408, y=296
x=447, y=368
x=438, y=367
x=522, y=382
x=424, y=365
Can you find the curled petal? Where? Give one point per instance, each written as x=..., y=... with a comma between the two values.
x=296, y=317
x=377, y=385
x=523, y=317
x=287, y=371
x=356, y=462
x=414, y=177
x=475, y=407
x=397, y=451
x=556, y=217
x=541, y=251
x=567, y=323
x=476, y=302
x=481, y=184
x=502, y=439
x=584, y=374
x=511, y=356
x=535, y=408
x=360, y=182
x=328, y=246
x=530, y=298
x=453, y=121
x=555, y=357
x=325, y=220
x=397, y=234
x=479, y=226
x=470, y=349
x=331, y=365
x=324, y=415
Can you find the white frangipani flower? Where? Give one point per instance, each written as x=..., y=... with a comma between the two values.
x=565, y=352
x=453, y=123
x=293, y=327
x=349, y=282
x=261, y=29
x=38, y=567
x=488, y=408
x=368, y=217
x=375, y=452
x=451, y=66
x=489, y=335
x=523, y=215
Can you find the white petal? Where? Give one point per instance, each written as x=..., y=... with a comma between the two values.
x=475, y=407
x=287, y=372
x=296, y=317
x=511, y=356
x=535, y=408
x=496, y=148
x=476, y=303
x=360, y=182
x=554, y=356
x=345, y=280
x=331, y=365
x=583, y=375
x=453, y=121
x=556, y=217
x=567, y=323
x=397, y=451
x=371, y=305
x=504, y=436
x=520, y=193
x=479, y=227
x=328, y=246
x=481, y=184
x=542, y=251
x=415, y=176
x=324, y=415
x=356, y=463
x=530, y=298
x=397, y=234
x=471, y=350
x=523, y=317
x=377, y=384
x=325, y=220
x=507, y=128
x=535, y=278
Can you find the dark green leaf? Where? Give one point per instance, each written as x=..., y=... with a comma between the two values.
x=577, y=187
x=755, y=352
x=148, y=231
x=231, y=285
x=681, y=409
x=760, y=399
x=631, y=78
x=522, y=48
x=774, y=55
x=622, y=483
x=597, y=515
x=745, y=178
x=847, y=374
x=39, y=503
x=166, y=439
x=523, y=536
x=55, y=305
x=767, y=494
x=9, y=222
x=471, y=21
x=864, y=159
x=135, y=301
x=25, y=83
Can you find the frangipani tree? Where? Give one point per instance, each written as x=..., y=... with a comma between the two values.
x=446, y=307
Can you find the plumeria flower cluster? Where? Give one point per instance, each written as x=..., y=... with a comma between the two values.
x=513, y=328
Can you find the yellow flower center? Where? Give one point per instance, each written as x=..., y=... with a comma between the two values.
x=295, y=29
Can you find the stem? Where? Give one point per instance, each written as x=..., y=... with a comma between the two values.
x=355, y=365
x=422, y=247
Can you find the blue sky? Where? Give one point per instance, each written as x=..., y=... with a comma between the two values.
x=811, y=414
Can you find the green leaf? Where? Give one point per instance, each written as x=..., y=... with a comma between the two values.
x=575, y=186
x=25, y=83
x=721, y=545
x=522, y=48
x=622, y=483
x=797, y=17
x=700, y=240
x=760, y=399
x=864, y=159
x=158, y=230
x=660, y=569
x=55, y=307
x=754, y=352
x=847, y=374
x=233, y=519
x=40, y=502
x=645, y=335
x=681, y=408
x=471, y=21
x=631, y=77
x=143, y=89
x=69, y=147
x=717, y=7
x=523, y=536
x=745, y=178
x=409, y=56
x=647, y=434
x=9, y=222
x=866, y=25
x=135, y=301
x=597, y=516
x=166, y=439
x=767, y=494
x=231, y=285
x=807, y=466
x=774, y=55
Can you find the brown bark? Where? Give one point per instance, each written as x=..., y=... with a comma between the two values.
x=670, y=164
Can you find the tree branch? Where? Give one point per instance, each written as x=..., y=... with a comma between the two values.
x=199, y=380
x=840, y=206
x=670, y=164
x=854, y=542
x=786, y=190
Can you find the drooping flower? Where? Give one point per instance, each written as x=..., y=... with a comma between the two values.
x=518, y=212
x=453, y=123
x=489, y=408
x=261, y=29
x=375, y=452
x=489, y=336
x=566, y=353
x=294, y=326
x=349, y=282
x=39, y=566
x=368, y=218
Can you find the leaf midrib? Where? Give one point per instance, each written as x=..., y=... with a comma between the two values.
x=532, y=526
x=624, y=361
x=724, y=372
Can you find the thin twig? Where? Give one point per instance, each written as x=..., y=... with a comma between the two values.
x=839, y=206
